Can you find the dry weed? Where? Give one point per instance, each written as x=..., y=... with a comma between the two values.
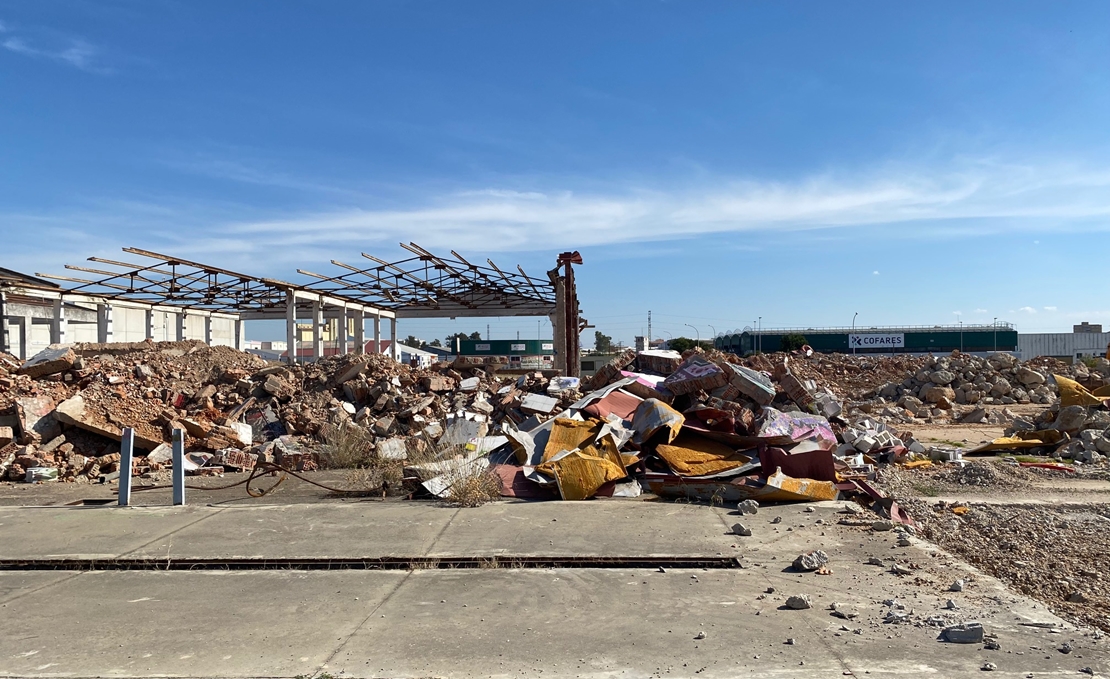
x=473, y=487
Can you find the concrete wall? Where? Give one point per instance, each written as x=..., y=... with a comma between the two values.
x=1061, y=344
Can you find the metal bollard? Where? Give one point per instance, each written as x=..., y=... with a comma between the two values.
x=126, y=451
x=178, y=467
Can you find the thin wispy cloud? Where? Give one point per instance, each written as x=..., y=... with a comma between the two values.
x=76, y=52
x=1050, y=308
x=946, y=202
x=1027, y=310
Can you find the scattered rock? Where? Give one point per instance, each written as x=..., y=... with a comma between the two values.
x=811, y=561
x=798, y=602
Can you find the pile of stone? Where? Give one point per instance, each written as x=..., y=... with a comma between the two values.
x=1073, y=432
x=944, y=381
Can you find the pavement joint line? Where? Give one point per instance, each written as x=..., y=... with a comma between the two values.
x=20, y=595
x=371, y=563
x=175, y=530
x=385, y=599
x=434, y=540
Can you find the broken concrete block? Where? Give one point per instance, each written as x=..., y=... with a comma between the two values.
x=393, y=449
x=741, y=530
x=755, y=385
x=36, y=418
x=661, y=361
x=964, y=633
x=811, y=561
x=6, y=436
x=196, y=428
x=244, y=433
x=384, y=425
x=538, y=403
x=469, y=384
x=696, y=374
x=53, y=359
x=72, y=412
x=352, y=372
x=278, y=388
x=798, y=602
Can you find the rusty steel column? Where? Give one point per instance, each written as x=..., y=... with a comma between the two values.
x=567, y=322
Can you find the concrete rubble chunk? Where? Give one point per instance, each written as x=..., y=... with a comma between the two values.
x=37, y=418
x=798, y=602
x=811, y=561
x=748, y=507
x=51, y=360
x=741, y=530
x=964, y=633
x=6, y=436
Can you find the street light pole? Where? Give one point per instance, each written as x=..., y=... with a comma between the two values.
x=760, y=322
x=714, y=335
x=698, y=333
x=854, y=328
x=961, y=337
x=994, y=324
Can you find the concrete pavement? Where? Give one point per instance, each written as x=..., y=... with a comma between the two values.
x=566, y=622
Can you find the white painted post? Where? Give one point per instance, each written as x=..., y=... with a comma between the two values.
x=208, y=330
x=150, y=324
x=5, y=340
x=126, y=453
x=360, y=332
x=377, y=334
x=104, y=324
x=178, y=466
x=341, y=325
x=393, y=352
x=24, y=337
x=291, y=325
x=317, y=328
x=240, y=334
x=58, y=334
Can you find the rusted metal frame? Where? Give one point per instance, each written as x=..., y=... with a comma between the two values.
x=424, y=284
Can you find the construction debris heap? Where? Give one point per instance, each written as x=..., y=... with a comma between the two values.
x=704, y=425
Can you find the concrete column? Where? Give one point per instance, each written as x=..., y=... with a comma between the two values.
x=291, y=325
x=179, y=334
x=377, y=334
x=317, y=328
x=104, y=329
x=59, y=327
x=208, y=330
x=150, y=324
x=360, y=332
x=24, y=337
x=240, y=334
x=341, y=338
x=5, y=340
x=393, y=339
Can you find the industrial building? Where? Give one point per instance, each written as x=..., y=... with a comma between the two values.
x=1066, y=346
x=916, y=339
x=520, y=354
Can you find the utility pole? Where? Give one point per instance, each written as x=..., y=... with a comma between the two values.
x=649, y=330
x=760, y=331
x=995, y=325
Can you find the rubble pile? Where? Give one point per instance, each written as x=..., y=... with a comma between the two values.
x=66, y=407
x=706, y=425
x=1049, y=553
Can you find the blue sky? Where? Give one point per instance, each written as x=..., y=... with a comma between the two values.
x=713, y=162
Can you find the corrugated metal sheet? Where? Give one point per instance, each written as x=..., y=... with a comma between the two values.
x=1061, y=344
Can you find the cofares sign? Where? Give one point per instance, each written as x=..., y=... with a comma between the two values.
x=890, y=341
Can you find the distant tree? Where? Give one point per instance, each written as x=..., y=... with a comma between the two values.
x=681, y=344
x=793, y=341
x=413, y=341
x=450, y=341
x=603, y=343
x=435, y=343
